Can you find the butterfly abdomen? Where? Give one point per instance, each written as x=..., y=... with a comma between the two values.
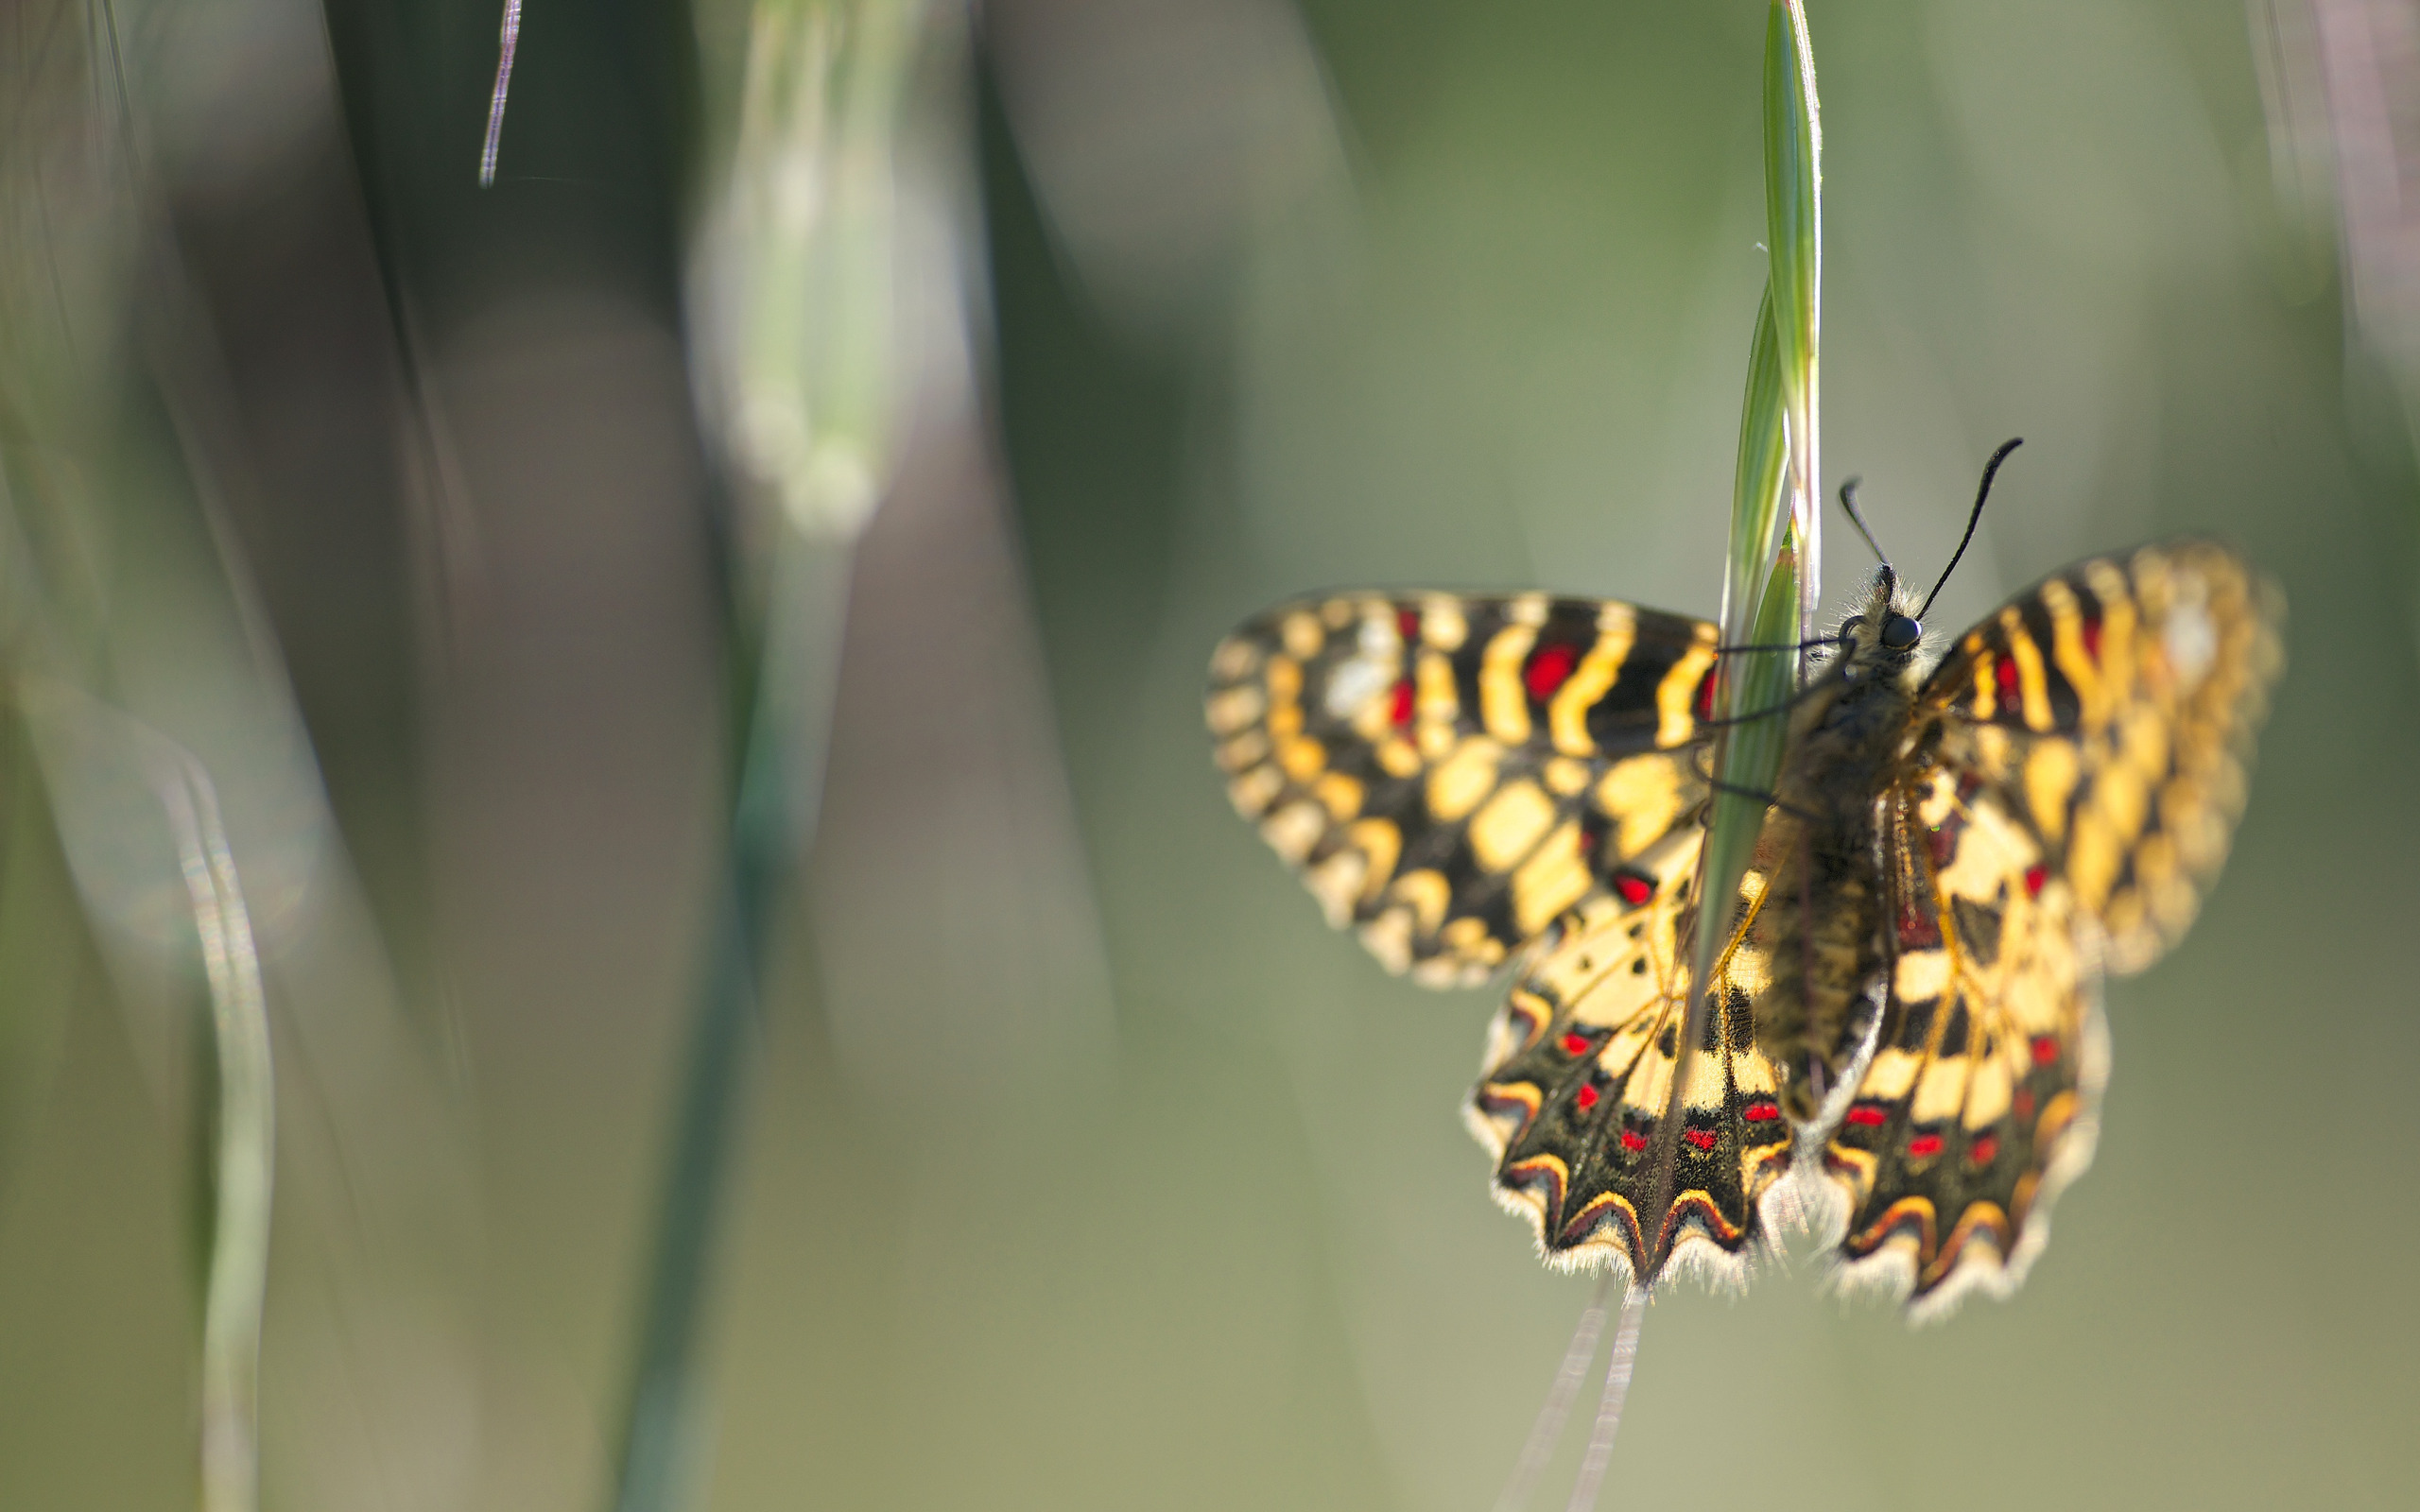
x=1818, y=928
x=1817, y=934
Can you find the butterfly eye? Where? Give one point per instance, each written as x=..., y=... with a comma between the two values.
x=1900, y=632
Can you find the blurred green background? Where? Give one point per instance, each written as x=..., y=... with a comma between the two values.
x=1079, y=1165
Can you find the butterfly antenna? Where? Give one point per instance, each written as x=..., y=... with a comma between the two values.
x=1547, y=1430
x=1990, y=469
x=1848, y=502
x=1609, y=1406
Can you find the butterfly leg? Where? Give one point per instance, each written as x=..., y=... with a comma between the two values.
x=1770, y=800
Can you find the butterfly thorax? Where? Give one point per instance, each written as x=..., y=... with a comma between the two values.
x=1818, y=928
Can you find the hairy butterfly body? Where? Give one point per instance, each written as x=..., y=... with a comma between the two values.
x=1953, y=857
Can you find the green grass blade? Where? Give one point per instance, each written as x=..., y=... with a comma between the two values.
x=126, y=761
x=1748, y=756
x=244, y=1164
x=1795, y=239
x=785, y=715
x=1770, y=569
x=802, y=360
x=1756, y=501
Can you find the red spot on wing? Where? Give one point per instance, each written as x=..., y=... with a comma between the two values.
x=2024, y=1103
x=1984, y=1150
x=1408, y=625
x=2035, y=875
x=1763, y=1110
x=2046, y=1050
x=1634, y=1140
x=1549, y=669
x=1633, y=887
x=1401, y=710
x=2004, y=673
x=1699, y=1139
x=1575, y=1043
x=1868, y=1115
x=1705, y=705
x=1586, y=1098
x=2092, y=637
x=1924, y=1147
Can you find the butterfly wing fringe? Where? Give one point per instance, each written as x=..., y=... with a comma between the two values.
x=1891, y=1273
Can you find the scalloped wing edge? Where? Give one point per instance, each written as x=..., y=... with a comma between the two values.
x=1696, y=1255
x=1889, y=1272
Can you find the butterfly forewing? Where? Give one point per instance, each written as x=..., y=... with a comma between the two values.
x=1453, y=774
x=2079, y=763
x=2113, y=706
x=1578, y=1075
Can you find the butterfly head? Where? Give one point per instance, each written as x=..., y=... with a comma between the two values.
x=1881, y=641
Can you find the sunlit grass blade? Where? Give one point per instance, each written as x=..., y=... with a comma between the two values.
x=1793, y=240
x=1770, y=572
x=244, y=1165
x=237, y=1111
x=1756, y=511
x=1768, y=587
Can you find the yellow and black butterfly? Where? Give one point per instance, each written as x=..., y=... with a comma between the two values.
x=1907, y=1026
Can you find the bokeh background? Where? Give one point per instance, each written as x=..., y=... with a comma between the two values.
x=1072, y=1163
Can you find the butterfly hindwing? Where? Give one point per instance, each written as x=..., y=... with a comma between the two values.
x=1453, y=774
x=2079, y=764
x=1979, y=1102
x=1579, y=1070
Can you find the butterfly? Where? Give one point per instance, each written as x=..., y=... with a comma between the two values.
x=1903, y=1036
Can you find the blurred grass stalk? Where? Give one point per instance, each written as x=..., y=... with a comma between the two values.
x=72, y=158
x=245, y=1116
x=77, y=735
x=800, y=371
x=235, y=1120
x=1772, y=575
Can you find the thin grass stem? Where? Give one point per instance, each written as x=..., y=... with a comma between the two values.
x=244, y=1167
x=783, y=721
x=659, y=1432
x=797, y=302
x=1609, y=1406
x=1556, y=1410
